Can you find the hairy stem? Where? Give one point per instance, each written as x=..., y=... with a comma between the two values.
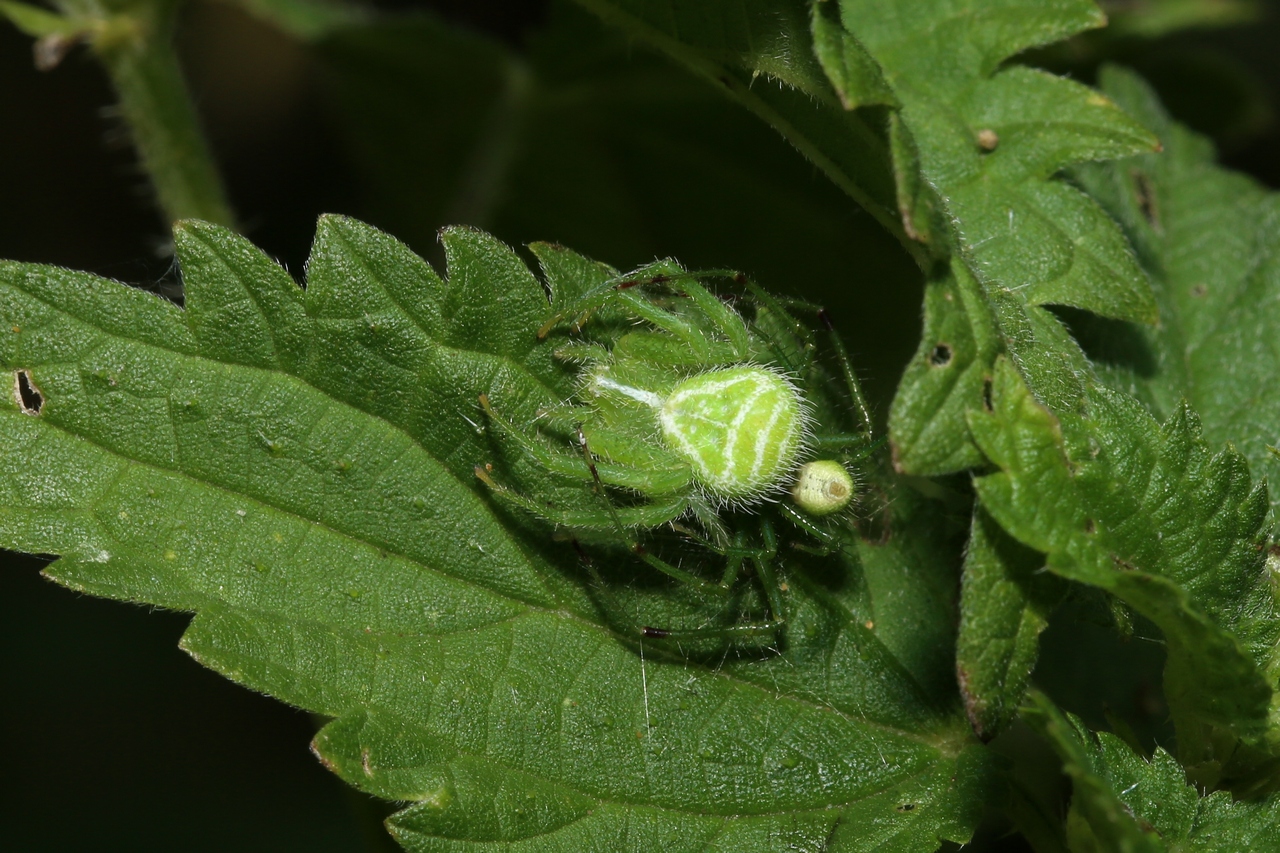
x=135, y=44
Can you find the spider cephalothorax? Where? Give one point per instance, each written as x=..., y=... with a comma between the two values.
x=694, y=415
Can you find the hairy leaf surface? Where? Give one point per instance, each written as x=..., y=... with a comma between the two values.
x=1210, y=239
x=990, y=142
x=1147, y=513
x=1005, y=601
x=294, y=466
x=1124, y=801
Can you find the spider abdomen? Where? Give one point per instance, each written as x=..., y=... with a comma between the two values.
x=740, y=429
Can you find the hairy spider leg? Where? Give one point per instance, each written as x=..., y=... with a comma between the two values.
x=803, y=334
x=701, y=348
x=597, y=297
x=618, y=518
x=727, y=321
x=830, y=542
x=631, y=541
x=652, y=514
x=707, y=632
x=762, y=558
x=861, y=409
x=734, y=554
x=624, y=476
x=850, y=376
x=704, y=348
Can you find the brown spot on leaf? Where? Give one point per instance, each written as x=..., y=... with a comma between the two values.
x=1146, y=195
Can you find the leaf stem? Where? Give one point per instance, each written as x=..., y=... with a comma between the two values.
x=134, y=42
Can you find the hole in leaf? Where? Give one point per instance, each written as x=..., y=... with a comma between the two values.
x=27, y=395
x=986, y=395
x=907, y=807
x=940, y=356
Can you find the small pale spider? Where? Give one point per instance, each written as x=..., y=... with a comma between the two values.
x=691, y=417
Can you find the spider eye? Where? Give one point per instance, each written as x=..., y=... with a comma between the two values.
x=822, y=487
x=740, y=428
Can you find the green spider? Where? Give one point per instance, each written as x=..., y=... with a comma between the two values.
x=690, y=417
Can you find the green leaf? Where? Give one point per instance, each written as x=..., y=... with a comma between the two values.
x=294, y=466
x=1148, y=514
x=1099, y=820
x=41, y=23
x=307, y=19
x=733, y=44
x=1125, y=802
x=1155, y=20
x=948, y=376
x=854, y=74
x=1005, y=603
x=614, y=150
x=1210, y=239
x=991, y=141
x=988, y=143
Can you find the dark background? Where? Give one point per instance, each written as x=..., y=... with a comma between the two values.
x=117, y=740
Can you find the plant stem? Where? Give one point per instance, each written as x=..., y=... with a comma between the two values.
x=135, y=44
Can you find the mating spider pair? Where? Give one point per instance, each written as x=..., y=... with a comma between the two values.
x=691, y=417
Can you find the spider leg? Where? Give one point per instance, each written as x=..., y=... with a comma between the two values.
x=653, y=514
x=617, y=614
x=624, y=476
x=830, y=542
x=838, y=440
x=597, y=297
x=727, y=321
x=861, y=409
x=762, y=559
x=768, y=577
x=850, y=377
x=634, y=544
x=797, y=356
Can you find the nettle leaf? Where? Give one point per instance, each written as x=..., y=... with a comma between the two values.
x=1124, y=801
x=990, y=140
x=295, y=467
x=1210, y=240
x=1005, y=601
x=1147, y=513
